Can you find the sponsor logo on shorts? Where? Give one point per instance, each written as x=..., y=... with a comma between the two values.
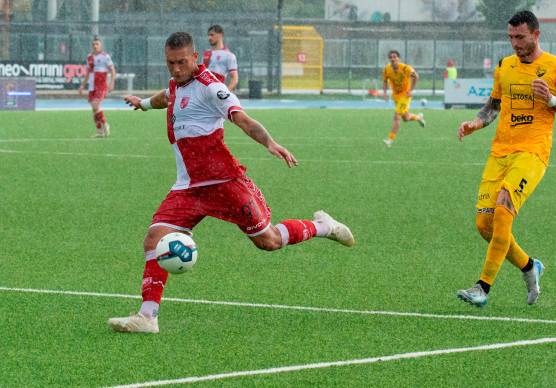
x=521, y=120
x=257, y=226
x=487, y=210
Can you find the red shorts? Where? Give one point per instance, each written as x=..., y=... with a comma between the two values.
x=97, y=94
x=238, y=201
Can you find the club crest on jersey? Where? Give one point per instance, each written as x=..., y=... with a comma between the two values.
x=222, y=94
x=184, y=101
x=541, y=71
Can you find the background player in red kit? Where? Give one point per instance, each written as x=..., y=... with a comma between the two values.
x=219, y=59
x=210, y=181
x=99, y=64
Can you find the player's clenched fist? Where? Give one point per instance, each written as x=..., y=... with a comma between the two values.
x=540, y=89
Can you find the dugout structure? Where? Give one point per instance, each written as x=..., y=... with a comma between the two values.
x=302, y=59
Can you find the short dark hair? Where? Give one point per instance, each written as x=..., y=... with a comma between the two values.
x=393, y=52
x=180, y=39
x=216, y=28
x=525, y=16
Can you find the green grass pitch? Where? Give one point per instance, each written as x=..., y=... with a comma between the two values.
x=74, y=212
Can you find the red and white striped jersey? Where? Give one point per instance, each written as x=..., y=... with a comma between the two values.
x=220, y=62
x=99, y=65
x=195, y=121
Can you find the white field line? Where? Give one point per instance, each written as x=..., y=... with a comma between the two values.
x=61, y=153
x=283, y=139
x=79, y=108
x=67, y=139
x=322, y=365
x=346, y=161
x=288, y=307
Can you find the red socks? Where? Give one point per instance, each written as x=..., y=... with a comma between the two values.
x=296, y=231
x=154, y=279
x=99, y=119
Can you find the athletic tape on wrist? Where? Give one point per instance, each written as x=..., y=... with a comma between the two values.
x=146, y=103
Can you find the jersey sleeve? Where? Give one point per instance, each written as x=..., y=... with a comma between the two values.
x=232, y=62
x=222, y=100
x=385, y=74
x=496, y=87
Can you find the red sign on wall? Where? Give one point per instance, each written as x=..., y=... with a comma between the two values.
x=301, y=57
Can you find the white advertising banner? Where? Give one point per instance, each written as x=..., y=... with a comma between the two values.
x=467, y=91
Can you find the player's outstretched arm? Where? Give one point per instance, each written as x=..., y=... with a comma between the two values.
x=485, y=116
x=257, y=132
x=157, y=101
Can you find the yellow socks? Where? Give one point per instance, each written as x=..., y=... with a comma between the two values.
x=499, y=244
x=392, y=136
x=516, y=255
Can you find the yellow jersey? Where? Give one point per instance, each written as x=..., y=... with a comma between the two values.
x=525, y=123
x=400, y=80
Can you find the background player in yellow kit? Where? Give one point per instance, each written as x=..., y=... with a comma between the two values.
x=402, y=79
x=524, y=84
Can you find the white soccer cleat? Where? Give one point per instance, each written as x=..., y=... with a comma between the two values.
x=338, y=231
x=137, y=323
x=106, y=129
x=388, y=142
x=421, y=120
x=532, y=279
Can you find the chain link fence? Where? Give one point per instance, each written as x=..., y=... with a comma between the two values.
x=354, y=53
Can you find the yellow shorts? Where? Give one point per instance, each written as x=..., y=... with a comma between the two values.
x=402, y=104
x=519, y=173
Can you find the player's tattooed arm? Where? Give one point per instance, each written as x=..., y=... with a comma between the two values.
x=258, y=132
x=489, y=111
x=486, y=115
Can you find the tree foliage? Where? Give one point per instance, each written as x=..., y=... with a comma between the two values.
x=497, y=13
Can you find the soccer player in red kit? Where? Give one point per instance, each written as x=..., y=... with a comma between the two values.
x=99, y=64
x=219, y=59
x=210, y=181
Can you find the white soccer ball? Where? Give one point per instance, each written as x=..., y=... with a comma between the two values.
x=424, y=102
x=176, y=253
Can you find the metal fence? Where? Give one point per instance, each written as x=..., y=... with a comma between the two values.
x=349, y=63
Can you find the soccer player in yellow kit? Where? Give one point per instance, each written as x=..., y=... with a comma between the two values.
x=523, y=94
x=402, y=79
